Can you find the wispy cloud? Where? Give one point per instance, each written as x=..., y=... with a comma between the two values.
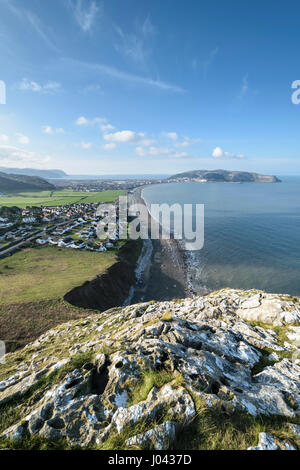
x=159, y=152
x=194, y=63
x=244, y=88
x=89, y=122
x=85, y=145
x=206, y=64
x=4, y=138
x=110, y=146
x=218, y=152
x=22, y=139
x=117, y=74
x=95, y=88
x=134, y=44
x=31, y=85
x=49, y=130
x=187, y=141
x=107, y=127
x=36, y=24
x=85, y=12
x=34, y=21
x=170, y=135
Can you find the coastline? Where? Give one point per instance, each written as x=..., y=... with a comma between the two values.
x=164, y=275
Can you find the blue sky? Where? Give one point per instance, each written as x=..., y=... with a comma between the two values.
x=151, y=86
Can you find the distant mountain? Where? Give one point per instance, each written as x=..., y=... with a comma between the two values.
x=17, y=183
x=32, y=172
x=224, y=176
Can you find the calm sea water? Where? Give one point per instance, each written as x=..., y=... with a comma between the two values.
x=252, y=233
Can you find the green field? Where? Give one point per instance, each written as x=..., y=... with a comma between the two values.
x=33, y=283
x=45, y=273
x=58, y=198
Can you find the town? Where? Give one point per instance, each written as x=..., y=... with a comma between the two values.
x=68, y=226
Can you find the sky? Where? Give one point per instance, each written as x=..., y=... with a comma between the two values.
x=151, y=86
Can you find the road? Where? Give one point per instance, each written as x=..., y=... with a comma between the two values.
x=32, y=237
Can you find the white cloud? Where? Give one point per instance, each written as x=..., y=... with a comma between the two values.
x=47, y=130
x=83, y=121
x=4, y=138
x=19, y=158
x=22, y=139
x=50, y=130
x=85, y=145
x=107, y=127
x=129, y=137
x=159, y=151
x=110, y=146
x=124, y=136
x=171, y=135
x=48, y=87
x=85, y=12
x=218, y=152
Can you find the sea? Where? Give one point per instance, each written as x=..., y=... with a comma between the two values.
x=251, y=233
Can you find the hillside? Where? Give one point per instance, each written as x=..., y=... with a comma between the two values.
x=33, y=172
x=16, y=183
x=224, y=176
x=215, y=372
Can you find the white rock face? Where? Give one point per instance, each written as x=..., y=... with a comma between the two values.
x=268, y=442
x=209, y=342
x=178, y=401
x=295, y=428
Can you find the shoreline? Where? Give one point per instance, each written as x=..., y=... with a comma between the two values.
x=164, y=275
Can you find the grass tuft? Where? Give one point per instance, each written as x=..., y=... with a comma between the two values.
x=150, y=379
x=167, y=316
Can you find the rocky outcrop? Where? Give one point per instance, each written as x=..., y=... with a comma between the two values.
x=138, y=373
x=267, y=442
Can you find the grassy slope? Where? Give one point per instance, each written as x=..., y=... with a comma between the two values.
x=58, y=198
x=32, y=285
x=44, y=273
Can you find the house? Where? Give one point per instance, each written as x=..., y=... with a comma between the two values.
x=40, y=241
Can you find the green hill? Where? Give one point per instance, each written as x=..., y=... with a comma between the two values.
x=16, y=183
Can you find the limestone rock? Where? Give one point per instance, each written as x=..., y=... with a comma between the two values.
x=268, y=442
x=158, y=438
x=208, y=348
